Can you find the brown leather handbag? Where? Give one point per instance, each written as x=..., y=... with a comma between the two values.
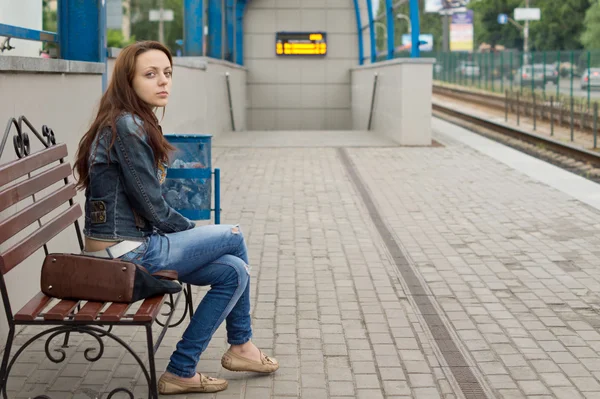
x=70, y=276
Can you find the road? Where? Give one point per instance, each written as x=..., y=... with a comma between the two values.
x=564, y=87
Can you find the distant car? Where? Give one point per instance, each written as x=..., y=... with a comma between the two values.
x=469, y=69
x=550, y=70
x=591, y=81
x=528, y=75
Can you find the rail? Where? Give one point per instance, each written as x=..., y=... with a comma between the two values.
x=551, y=144
x=17, y=32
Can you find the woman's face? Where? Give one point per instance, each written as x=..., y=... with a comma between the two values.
x=152, y=80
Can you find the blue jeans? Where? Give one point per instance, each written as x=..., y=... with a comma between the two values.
x=214, y=255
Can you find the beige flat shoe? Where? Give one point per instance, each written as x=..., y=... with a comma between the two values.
x=168, y=385
x=235, y=362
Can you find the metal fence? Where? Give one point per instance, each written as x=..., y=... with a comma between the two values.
x=561, y=74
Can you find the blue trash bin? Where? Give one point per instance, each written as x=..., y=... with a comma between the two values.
x=188, y=185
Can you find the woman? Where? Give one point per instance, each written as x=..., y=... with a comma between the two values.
x=121, y=163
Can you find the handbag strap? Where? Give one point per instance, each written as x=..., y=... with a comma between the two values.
x=165, y=274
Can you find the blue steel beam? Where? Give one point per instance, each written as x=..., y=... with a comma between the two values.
x=360, y=33
x=79, y=30
x=416, y=28
x=229, y=28
x=28, y=34
x=193, y=28
x=215, y=29
x=371, y=31
x=240, y=6
x=102, y=42
x=390, y=17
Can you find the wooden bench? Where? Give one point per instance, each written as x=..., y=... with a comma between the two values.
x=65, y=316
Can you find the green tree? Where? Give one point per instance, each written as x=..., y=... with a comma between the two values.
x=380, y=32
x=115, y=38
x=49, y=22
x=486, y=26
x=144, y=29
x=590, y=38
x=561, y=25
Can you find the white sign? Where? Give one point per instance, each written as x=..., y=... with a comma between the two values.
x=527, y=14
x=433, y=6
x=446, y=7
x=167, y=15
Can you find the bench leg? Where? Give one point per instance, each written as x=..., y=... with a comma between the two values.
x=68, y=334
x=66, y=341
x=7, y=350
x=153, y=388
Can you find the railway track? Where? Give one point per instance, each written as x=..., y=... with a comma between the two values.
x=577, y=160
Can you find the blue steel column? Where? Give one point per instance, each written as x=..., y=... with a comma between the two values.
x=239, y=31
x=229, y=24
x=390, y=17
x=416, y=28
x=80, y=35
x=371, y=31
x=215, y=28
x=360, y=34
x=193, y=27
x=103, y=42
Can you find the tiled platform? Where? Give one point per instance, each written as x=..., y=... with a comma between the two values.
x=499, y=251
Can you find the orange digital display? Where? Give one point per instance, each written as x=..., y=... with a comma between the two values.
x=301, y=43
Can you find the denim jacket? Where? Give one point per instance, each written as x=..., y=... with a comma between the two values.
x=123, y=200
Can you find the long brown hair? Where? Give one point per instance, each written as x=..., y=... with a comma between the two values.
x=120, y=97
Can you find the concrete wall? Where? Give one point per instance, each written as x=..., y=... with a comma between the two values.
x=25, y=14
x=199, y=102
x=62, y=95
x=402, y=107
x=292, y=93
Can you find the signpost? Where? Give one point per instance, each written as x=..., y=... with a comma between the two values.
x=166, y=15
x=527, y=14
x=161, y=15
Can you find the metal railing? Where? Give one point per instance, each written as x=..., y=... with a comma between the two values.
x=562, y=74
x=17, y=32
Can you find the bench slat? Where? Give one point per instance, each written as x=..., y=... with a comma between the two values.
x=114, y=312
x=20, y=167
x=33, y=308
x=22, y=219
x=25, y=188
x=24, y=248
x=89, y=311
x=149, y=308
x=61, y=310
